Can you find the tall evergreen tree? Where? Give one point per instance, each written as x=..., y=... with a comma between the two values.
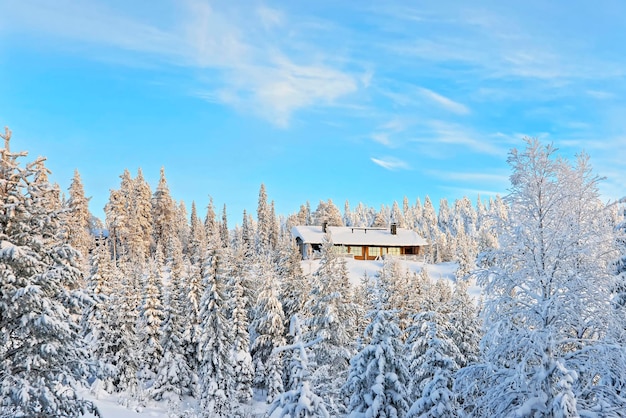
x=216, y=370
x=152, y=316
x=242, y=360
x=78, y=218
x=101, y=319
x=299, y=401
x=378, y=376
x=141, y=222
x=432, y=363
x=163, y=216
x=264, y=222
x=269, y=329
x=332, y=318
x=174, y=377
x=224, y=229
x=42, y=358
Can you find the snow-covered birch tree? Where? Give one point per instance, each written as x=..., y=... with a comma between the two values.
x=546, y=350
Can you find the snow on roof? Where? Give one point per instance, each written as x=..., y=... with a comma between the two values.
x=347, y=235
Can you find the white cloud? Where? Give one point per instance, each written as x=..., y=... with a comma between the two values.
x=270, y=17
x=439, y=133
x=242, y=63
x=445, y=102
x=390, y=163
x=469, y=176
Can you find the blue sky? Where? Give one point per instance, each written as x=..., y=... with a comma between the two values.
x=364, y=101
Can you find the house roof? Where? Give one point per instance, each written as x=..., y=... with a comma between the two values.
x=347, y=235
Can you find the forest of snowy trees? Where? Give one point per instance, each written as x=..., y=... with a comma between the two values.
x=157, y=304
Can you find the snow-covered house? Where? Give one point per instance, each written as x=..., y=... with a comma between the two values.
x=361, y=243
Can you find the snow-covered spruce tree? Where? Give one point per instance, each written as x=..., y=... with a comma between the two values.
x=465, y=326
x=400, y=291
x=141, y=222
x=174, y=378
x=327, y=212
x=430, y=228
x=118, y=214
x=100, y=319
x=432, y=363
x=294, y=286
x=378, y=378
x=299, y=401
x=224, y=235
x=163, y=216
x=124, y=308
x=42, y=357
x=547, y=350
x=264, y=223
x=193, y=284
x=269, y=328
x=332, y=317
x=242, y=360
x=152, y=316
x=77, y=219
x=216, y=370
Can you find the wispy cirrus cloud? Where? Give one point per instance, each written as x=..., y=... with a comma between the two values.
x=445, y=102
x=236, y=58
x=390, y=163
x=470, y=176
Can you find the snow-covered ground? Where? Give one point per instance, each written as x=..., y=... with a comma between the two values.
x=358, y=268
x=110, y=407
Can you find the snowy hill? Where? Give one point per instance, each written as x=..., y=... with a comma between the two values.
x=358, y=268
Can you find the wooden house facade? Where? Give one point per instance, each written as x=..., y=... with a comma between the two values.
x=358, y=242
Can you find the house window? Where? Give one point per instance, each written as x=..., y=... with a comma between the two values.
x=357, y=251
x=374, y=251
x=393, y=250
x=340, y=249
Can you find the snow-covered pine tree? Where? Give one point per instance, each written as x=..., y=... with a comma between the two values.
x=327, y=212
x=299, y=401
x=152, y=316
x=118, y=215
x=399, y=291
x=464, y=324
x=383, y=217
x=444, y=217
x=141, y=221
x=378, y=376
x=174, y=378
x=430, y=228
x=397, y=216
x=264, y=223
x=274, y=228
x=242, y=360
x=42, y=358
x=269, y=328
x=215, y=345
x=77, y=220
x=431, y=357
x=224, y=235
x=331, y=315
x=163, y=216
x=547, y=350
x=212, y=228
x=100, y=320
x=294, y=286
x=124, y=308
